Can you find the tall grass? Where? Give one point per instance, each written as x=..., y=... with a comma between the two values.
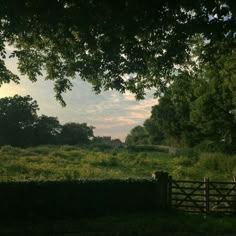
x=218, y=165
x=71, y=162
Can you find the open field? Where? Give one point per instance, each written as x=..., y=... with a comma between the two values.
x=71, y=162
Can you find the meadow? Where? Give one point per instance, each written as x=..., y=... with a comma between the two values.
x=44, y=163
x=59, y=163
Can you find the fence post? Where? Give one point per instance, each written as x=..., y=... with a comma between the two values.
x=169, y=191
x=206, y=195
x=163, y=183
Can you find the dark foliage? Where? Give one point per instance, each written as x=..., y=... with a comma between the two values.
x=75, y=133
x=78, y=198
x=21, y=126
x=123, y=45
x=17, y=119
x=198, y=109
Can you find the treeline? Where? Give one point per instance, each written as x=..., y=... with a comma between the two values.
x=20, y=125
x=197, y=109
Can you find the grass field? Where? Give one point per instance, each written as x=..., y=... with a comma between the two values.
x=71, y=162
x=148, y=224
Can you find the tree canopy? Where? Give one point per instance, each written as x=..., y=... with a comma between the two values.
x=74, y=133
x=138, y=135
x=196, y=110
x=20, y=125
x=17, y=117
x=123, y=45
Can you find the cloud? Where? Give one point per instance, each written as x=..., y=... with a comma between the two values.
x=128, y=96
x=113, y=114
x=138, y=115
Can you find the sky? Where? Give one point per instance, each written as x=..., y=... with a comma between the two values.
x=111, y=113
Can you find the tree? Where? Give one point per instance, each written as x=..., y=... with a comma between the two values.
x=21, y=126
x=171, y=115
x=123, y=45
x=106, y=142
x=213, y=111
x=138, y=135
x=46, y=130
x=17, y=118
x=154, y=131
x=198, y=108
x=75, y=133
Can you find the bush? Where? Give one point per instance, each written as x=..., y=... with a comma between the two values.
x=212, y=146
x=188, y=152
x=78, y=198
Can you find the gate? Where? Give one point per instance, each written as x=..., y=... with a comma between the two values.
x=203, y=196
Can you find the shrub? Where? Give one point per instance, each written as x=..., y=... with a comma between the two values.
x=187, y=152
x=212, y=146
x=78, y=198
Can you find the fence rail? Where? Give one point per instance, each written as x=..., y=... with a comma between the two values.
x=203, y=196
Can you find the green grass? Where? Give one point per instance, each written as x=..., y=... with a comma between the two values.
x=170, y=222
x=71, y=162
x=150, y=223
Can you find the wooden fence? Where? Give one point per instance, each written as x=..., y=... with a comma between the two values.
x=203, y=196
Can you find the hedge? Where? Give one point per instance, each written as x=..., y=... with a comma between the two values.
x=78, y=198
x=148, y=148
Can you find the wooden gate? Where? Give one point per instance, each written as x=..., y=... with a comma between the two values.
x=203, y=196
